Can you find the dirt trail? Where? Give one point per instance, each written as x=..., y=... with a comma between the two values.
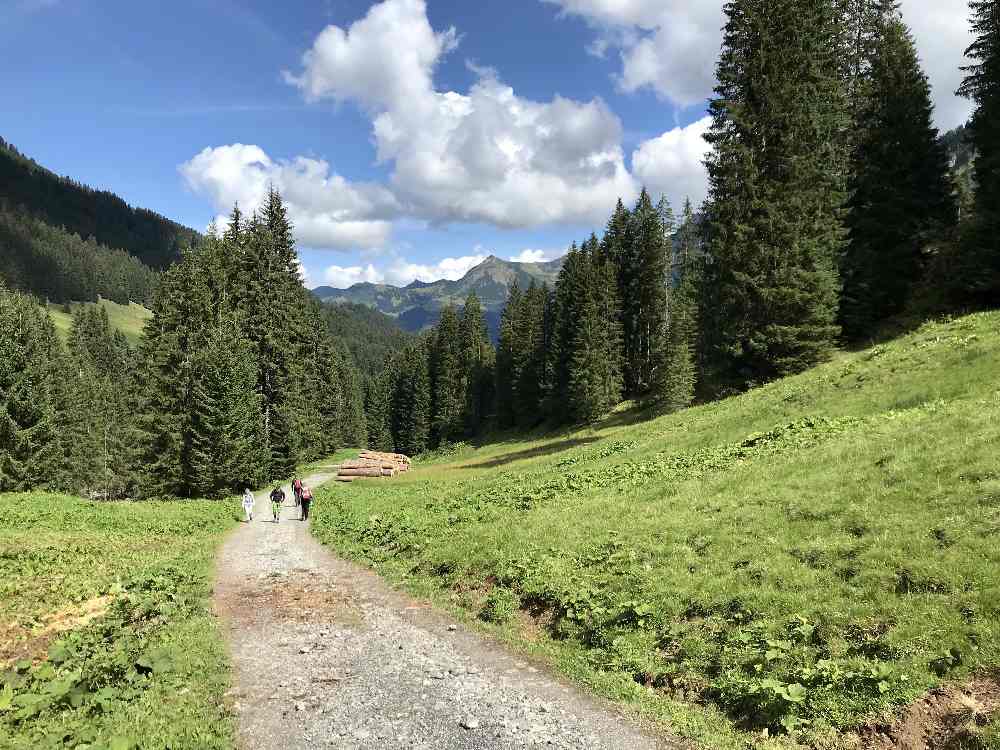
x=326, y=655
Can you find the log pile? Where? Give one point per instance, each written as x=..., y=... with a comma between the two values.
x=372, y=465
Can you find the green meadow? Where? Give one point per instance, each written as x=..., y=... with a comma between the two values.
x=782, y=568
x=129, y=319
x=107, y=641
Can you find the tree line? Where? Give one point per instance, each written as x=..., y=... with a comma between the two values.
x=59, y=266
x=83, y=211
x=236, y=381
x=832, y=208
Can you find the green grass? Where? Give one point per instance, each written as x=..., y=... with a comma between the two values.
x=799, y=559
x=150, y=672
x=129, y=319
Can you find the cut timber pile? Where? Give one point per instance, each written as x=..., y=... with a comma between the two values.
x=372, y=464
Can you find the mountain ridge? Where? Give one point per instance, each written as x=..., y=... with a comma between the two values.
x=418, y=305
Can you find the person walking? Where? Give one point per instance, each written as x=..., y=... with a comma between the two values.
x=277, y=499
x=307, y=498
x=248, y=504
x=297, y=491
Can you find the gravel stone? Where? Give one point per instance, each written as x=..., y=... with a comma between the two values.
x=361, y=667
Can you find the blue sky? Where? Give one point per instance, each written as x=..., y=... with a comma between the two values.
x=410, y=138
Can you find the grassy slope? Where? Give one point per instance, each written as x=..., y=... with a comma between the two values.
x=151, y=673
x=806, y=555
x=129, y=319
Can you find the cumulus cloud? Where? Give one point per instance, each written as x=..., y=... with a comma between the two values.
x=327, y=210
x=400, y=272
x=671, y=46
x=672, y=164
x=486, y=155
x=534, y=256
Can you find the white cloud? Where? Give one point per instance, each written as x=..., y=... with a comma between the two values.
x=341, y=277
x=383, y=60
x=672, y=164
x=400, y=272
x=534, y=256
x=328, y=211
x=671, y=46
x=488, y=155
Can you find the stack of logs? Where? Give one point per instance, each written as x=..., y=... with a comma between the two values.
x=372, y=464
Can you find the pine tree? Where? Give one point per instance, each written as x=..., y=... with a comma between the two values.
x=353, y=423
x=412, y=402
x=901, y=195
x=777, y=189
x=529, y=356
x=977, y=279
x=29, y=351
x=477, y=363
x=448, y=381
x=227, y=421
x=506, y=375
x=594, y=377
x=680, y=373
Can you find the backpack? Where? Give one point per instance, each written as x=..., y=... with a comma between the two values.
x=307, y=495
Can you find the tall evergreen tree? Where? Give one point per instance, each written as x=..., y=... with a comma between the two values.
x=227, y=423
x=29, y=352
x=449, y=383
x=477, y=363
x=901, y=194
x=507, y=360
x=978, y=274
x=777, y=188
x=412, y=402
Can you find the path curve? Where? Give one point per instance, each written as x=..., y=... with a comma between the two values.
x=326, y=655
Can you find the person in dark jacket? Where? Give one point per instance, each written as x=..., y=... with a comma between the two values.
x=277, y=499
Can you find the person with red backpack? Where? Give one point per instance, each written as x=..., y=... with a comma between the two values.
x=297, y=490
x=306, y=501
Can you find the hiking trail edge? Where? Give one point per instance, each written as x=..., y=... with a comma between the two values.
x=326, y=655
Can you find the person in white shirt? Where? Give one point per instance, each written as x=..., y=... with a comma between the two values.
x=248, y=504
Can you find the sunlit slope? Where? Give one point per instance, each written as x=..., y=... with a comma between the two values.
x=798, y=558
x=129, y=319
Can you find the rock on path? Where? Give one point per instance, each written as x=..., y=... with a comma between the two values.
x=326, y=655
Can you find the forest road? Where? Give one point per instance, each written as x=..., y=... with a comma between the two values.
x=326, y=655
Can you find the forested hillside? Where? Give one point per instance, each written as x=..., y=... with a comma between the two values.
x=237, y=379
x=823, y=223
x=59, y=266
x=369, y=335
x=81, y=210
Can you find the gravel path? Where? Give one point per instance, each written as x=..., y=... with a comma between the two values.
x=326, y=655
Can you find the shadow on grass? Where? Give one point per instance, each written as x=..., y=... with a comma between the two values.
x=541, y=450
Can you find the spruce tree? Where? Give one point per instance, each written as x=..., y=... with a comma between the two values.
x=448, y=381
x=412, y=402
x=477, y=363
x=901, y=195
x=680, y=374
x=507, y=360
x=777, y=189
x=29, y=353
x=227, y=422
x=977, y=278
x=529, y=356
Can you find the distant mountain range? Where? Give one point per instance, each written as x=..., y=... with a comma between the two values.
x=418, y=305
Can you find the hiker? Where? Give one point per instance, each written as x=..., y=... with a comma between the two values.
x=297, y=491
x=307, y=498
x=277, y=498
x=248, y=504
